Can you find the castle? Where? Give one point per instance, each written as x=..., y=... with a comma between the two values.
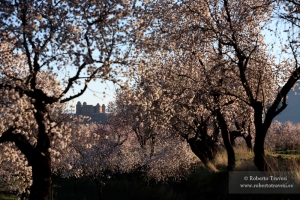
x=85, y=109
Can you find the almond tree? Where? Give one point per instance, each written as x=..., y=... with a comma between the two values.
x=227, y=39
x=101, y=151
x=182, y=81
x=163, y=156
x=259, y=73
x=175, y=103
x=95, y=151
x=14, y=171
x=44, y=39
x=283, y=136
x=92, y=150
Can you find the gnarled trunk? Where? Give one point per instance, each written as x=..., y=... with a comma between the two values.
x=197, y=149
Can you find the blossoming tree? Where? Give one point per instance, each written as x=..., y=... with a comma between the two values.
x=44, y=39
x=161, y=156
x=225, y=44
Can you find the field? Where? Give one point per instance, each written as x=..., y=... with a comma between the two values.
x=201, y=184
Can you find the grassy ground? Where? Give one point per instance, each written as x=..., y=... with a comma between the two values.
x=6, y=196
x=201, y=184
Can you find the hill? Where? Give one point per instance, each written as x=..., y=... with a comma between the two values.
x=292, y=111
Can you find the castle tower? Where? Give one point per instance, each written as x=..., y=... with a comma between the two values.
x=97, y=108
x=103, y=108
x=87, y=109
x=78, y=108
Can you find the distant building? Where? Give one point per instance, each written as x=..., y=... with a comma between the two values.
x=89, y=109
x=97, y=113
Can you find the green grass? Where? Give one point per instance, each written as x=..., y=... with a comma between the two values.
x=4, y=195
x=8, y=197
x=283, y=151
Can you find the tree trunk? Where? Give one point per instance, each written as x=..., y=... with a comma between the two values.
x=75, y=186
x=259, y=150
x=99, y=187
x=41, y=175
x=248, y=140
x=226, y=140
x=204, y=159
x=260, y=135
x=229, y=150
x=39, y=160
x=259, y=159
